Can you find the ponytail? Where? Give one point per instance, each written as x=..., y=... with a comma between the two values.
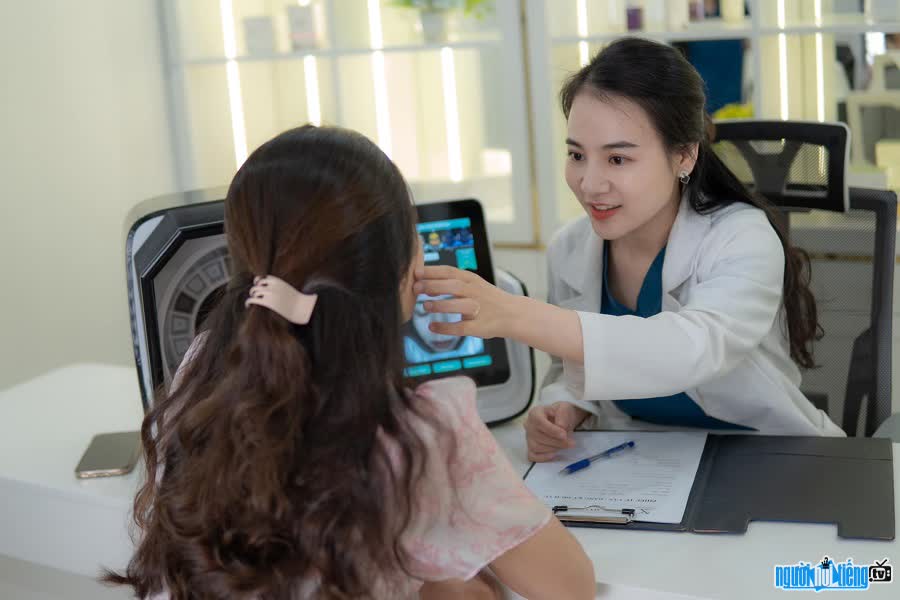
x=714, y=185
x=269, y=375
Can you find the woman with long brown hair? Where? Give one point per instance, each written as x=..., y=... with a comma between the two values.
x=676, y=301
x=289, y=459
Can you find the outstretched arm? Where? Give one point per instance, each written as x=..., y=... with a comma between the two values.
x=490, y=312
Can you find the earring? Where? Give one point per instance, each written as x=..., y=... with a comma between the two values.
x=684, y=177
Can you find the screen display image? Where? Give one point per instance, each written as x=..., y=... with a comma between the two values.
x=451, y=241
x=447, y=242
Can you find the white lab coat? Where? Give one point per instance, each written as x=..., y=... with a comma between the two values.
x=720, y=337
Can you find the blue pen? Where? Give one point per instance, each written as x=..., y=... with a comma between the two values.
x=586, y=462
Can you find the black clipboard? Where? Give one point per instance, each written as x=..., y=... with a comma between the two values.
x=743, y=478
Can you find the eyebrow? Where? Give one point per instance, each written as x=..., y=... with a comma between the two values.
x=611, y=146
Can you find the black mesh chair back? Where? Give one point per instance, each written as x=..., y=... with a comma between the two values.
x=850, y=237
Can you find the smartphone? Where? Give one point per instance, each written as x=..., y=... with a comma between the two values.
x=110, y=454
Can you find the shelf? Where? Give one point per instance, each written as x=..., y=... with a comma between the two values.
x=715, y=29
x=711, y=29
x=846, y=24
x=333, y=53
x=281, y=86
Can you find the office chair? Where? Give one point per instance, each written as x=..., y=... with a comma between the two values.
x=801, y=168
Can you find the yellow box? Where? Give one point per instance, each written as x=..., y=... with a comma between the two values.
x=887, y=157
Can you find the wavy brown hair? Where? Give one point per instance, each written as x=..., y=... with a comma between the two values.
x=265, y=465
x=666, y=86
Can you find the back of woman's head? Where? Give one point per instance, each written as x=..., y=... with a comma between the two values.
x=264, y=467
x=658, y=79
x=326, y=211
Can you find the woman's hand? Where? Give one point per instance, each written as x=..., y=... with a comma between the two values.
x=485, y=309
x=548, y=429
x=488, y=312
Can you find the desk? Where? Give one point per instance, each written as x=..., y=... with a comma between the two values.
x=725, y=566
x=49, y=516
x=52, y=519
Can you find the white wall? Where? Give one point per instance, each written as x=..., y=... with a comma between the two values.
x=83, y=137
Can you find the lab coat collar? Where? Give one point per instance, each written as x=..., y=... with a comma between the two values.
x=688, y=232
x=582, y=270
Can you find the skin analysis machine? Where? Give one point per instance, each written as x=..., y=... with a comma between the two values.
x=178, y=265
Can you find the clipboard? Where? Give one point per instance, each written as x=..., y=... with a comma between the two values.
x=744, y=478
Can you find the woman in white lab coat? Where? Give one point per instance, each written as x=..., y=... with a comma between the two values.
x=676, y=302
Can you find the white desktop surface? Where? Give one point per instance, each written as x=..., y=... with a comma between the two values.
x=50, y=518
x=728, y=566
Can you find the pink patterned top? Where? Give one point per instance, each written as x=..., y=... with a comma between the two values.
x=471, y=506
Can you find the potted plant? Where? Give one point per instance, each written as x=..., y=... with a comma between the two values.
x=433, y=14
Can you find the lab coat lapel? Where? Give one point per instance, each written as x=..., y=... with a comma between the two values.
x=688, y=232
x=582, y=272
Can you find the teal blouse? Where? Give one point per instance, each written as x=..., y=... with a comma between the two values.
x=678, y=409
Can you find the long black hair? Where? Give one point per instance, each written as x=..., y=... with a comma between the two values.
x=663, y=83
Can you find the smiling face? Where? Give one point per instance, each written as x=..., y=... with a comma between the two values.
x=619, y=169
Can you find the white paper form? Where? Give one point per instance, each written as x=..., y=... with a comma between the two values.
x=654, y=478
